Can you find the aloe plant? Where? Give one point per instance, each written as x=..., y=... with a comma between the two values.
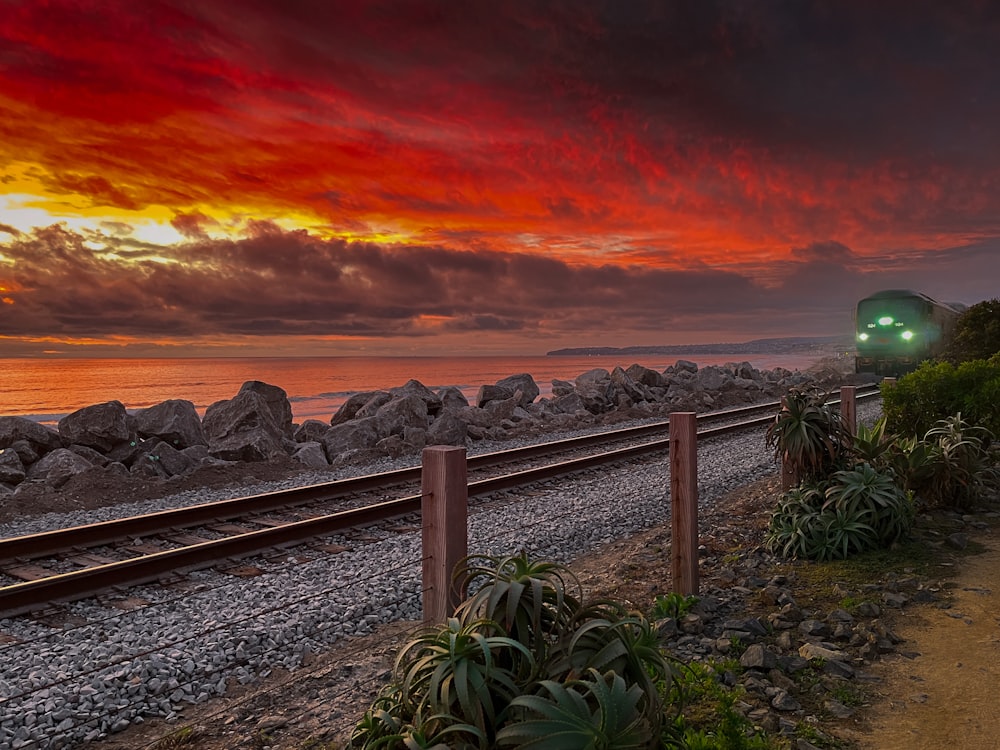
x=854, y=511
x=808, y=436
x=521, y=647
x=596, y=711
x=959, y=464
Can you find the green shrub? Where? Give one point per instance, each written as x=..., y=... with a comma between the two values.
x=937, y=390
x=957, y=465
x=808, y=435
x=977, y=333
x=854, y=511
x=524, y=663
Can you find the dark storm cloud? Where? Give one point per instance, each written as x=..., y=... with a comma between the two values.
x=287, y=283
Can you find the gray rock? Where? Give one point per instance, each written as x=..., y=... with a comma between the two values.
x=243, y=428
x=349, y=409
x=57, y=467
x=597, y=376
x=561, y=388
x=311, y=431
x=311, y=454
x=399, y=413
x=372, y=405
x=358, y=434
x=277, y=403
x=39, y=437
x=174, y=421
x=757, y=656
x=452, y=398
x=418, y=389
x=27, y=452
x=93, y=457
x=100, y=426
x=172, y=461
x=684, y=365
x=11, y=468
x=447, y=429
x=522, y=382
x=646, y=376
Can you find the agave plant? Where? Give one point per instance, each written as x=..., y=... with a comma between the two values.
x=854, y=511
x=959, y=464
x=808, y=436
x=609, y=638
x=796, y=529
x=524, y=634
x=866, y=496
x=466, y=670
x=595, y=711
x=532, y=601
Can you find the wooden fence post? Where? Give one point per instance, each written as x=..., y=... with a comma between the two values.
x=848, y=407
x=789, y=476
x=684, y=502
x=445, y=528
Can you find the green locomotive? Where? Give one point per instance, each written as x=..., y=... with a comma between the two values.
x=896, y=329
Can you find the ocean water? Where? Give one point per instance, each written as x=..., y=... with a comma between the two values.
x=48, y=389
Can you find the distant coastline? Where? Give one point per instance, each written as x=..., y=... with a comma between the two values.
x=771, y=346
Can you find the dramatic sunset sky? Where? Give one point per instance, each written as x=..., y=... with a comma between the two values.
x=252, y=177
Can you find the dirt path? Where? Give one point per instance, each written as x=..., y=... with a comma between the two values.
x=948, y=694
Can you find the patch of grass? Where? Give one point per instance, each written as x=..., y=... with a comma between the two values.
x=183, y=737
x=710, y=719
x=848, y=694
x=672, y=605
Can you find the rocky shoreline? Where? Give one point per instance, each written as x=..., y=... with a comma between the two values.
x=169, y=441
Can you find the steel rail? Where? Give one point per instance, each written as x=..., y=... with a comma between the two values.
x=33, y=546
x=24, y=597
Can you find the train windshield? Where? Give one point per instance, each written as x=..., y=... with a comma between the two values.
x=883, y=315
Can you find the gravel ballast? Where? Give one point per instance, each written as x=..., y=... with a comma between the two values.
x=62, y=686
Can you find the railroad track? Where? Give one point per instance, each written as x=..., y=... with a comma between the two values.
x=145, y=548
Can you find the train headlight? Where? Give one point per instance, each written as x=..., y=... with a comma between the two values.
x=862, y=336
x=885, y=321
x=907, y=335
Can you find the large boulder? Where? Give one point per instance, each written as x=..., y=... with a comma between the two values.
x=100, y=426
x=277, y=403
x=172, y=461
x=447, y=429
x=522, y=382
x=714, y=378
x=401, y=412
x=11, y=468
x=311, y=431
x=244, y=428
x=597, y=376
x=311, y=454
x=452, y=398
x=18, y=429
x=349, y=409
x=372, y=405
x=356, y=435
x=646, y=376
x=416, y=388
x=561, y=388
x=626, y=386
x=174, y=421
x=57, y=467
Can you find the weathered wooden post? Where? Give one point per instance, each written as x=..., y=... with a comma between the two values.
x=684, y=502
x=848, y=407
x=789, y=476
x=445, y=528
